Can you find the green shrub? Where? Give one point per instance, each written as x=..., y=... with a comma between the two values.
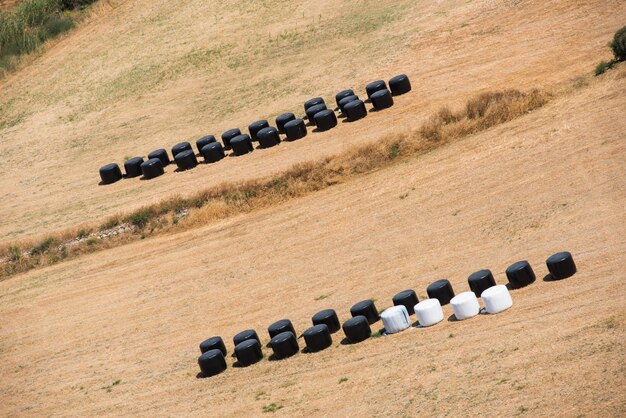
x=140, y=218
x=36, y=12
x=603, y=66
x=618, y=45
x=43, y=246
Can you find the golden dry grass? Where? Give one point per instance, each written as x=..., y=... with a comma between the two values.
x=231, y=199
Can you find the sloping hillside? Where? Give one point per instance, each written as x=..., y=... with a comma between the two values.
x=116, y=332
x=147, y=74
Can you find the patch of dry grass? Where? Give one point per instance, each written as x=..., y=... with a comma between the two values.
x=229, y=199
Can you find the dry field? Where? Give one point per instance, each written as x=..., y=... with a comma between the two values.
x=116, y=332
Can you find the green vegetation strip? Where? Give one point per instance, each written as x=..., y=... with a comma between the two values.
x=230, y=199
x=31, y=23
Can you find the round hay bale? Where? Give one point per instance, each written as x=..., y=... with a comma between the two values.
x=313, y=102
x=325, y=120
x=355, y=110
x=374, y=86
x=246, y=335
x=295, y=129
x=465, y=305
x=284, y=345
x=400, y=84
x=152, y=168
x=255, y=127
x=367, y=309
x=480, y=280
x=428, y=312
x=496, y=299
x=343, y=102
x=395, y=319
x=241, y=144
x=282, y=120
x=327, y=317
x=268, y=137
x=248, y=352
x=406, y=298
x=357, y=329
x=342, y=94
x=110, y=173
x=180, y=147
x=311, y=111
x=133, y=167
x=205, y=140
x=161, y=154
x=382, y=99
x=211, y=363
x=561, y=265
x=441, y=290
x=228, y=135
x=186, y=159
x=317, y=338
x=212, y=152
x=520, y=274
x=213, y=343
x=280, y=326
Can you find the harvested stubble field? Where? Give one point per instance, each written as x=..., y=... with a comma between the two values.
x=116, y=332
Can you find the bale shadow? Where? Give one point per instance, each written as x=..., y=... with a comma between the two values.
x=452, y=318
x=549, y=278
x=200, y=376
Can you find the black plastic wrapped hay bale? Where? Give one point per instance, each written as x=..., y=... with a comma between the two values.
x=278, y=327
x=152, y=168
x=355, y=110
x=268, y=137
x=284, y=345
x=248, y=352
x=520, y=274
x=110, y=173
x=212, y=152
x=325, y=120
x=342, y=94
x=205, y=140
x=246, y=335
x=313, y=102
x=327, y=317
x=161, y=154
x=255, y=127
x=382, y=99
x=440, y=290
x=213, y=343
x=132, y=167
x=367, y=309
x=295, y=129
x=186, y=159
x=241, y=144
x=180, y=147
x=311, y=111
x=480, y=281
x=374, y=86
x=406, y=298
x=282, y=120
x=357, y=329
x=561, y=265
x=399, y=84
x=317, y=338
x=228, y=135
x=211, y=363
x=343, y=102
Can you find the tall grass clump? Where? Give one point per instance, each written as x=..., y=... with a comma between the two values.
x=30, y=24
x=230, y=199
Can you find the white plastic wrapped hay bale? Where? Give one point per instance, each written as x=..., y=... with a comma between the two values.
x=496, y=299
x=429, y=312
x=395, y=319
x=465, y=305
